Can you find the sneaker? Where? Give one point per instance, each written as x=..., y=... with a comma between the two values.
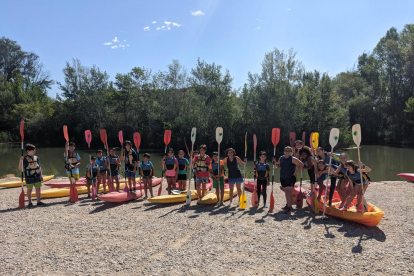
x=89, y=196
x=221, y=203
x=281, y=188
x=308, y=195
x=130, y=190
x=288, y=210
x=265, y=206
x=40, y=203
x=230, y=203
x=135, y=189
x=29, y=205
x=343, y=209
x=285, y=208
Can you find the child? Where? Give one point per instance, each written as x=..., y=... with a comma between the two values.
x=322, y=155
x=214, y=167
x=131, y=164
x=341, y=171
x=354, y=177
x=91, y=173
x=306, y=159
x=32, y=172
x=202, y=161
x=321, y=170
x=235, y=176
x=171, y=169
x=113, y=164
x=182, y=170
x=147, y=171
x=262, y=171
x=101, y=162
x=298, y=147
x=72, y=163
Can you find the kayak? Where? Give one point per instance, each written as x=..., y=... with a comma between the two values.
x=371, y=218
x=123, y=196
x=211, y=198
x=18, y=183
x=81, y=182
x=178, y=197
x=408, y=176
x=249, y=185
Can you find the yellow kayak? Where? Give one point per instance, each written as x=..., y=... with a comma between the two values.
x=173, y=198
x=18, y=183
x=212, y=197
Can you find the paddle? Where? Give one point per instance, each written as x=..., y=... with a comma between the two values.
x=303, y=138
x=193, y=137
x=104, y=140
x=167, y=140
x=275, y=141
x=88, y=138
x=299, y=197
x=219, y=138
x=315, y=143
x=21, y=197
x=356, y=135
x=243, y=198
x=73, y=190
x=121, y=140
x=137, y=143
x=333, y=140
x=255, y=200
x=292, y=139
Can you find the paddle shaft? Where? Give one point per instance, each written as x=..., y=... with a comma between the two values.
x=362, y=182
x=273, y=174
x=22, y=164
x=327, y=181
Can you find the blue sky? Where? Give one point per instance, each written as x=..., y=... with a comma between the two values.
x=328, y=35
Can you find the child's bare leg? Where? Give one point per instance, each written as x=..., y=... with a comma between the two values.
x=29, y=195
x=150, y=186
x=37, y=194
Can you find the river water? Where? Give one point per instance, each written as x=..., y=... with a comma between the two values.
x=385, y=162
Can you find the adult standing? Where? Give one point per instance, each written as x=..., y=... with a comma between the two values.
x=235, y=176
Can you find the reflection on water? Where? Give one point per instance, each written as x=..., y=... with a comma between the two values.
x=385, y=162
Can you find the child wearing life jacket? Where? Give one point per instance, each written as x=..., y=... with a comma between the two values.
x=262, y=171
x=182, y=170
x=328, y=159
x=321, y=170
x=32, y=173
x=214, y=172
x=101, y=177
x=147, y=172
x=306, y=159
x=112, y=162
x=131, y=163
x=171, y=169
x=341, y=172
x=202, y=161
x=354, y=176
x=72, y=163
x=92, y=170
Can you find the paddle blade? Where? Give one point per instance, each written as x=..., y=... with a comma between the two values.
x=137, y=139
x=21, y=199
x=299, y=200
x=167, y=137
x=185, y=142
x=315, y=140
x=219, y=134
x=126, y=188
x=316, y=205
x=71, y=194
x=65, y=133
x=310, y=142
x=188, y=197
x=121, y=137
x=22, y=135
x=292, y=139
x=275, y=136
x=75, y=194
x=102, y=132
x=254, y=143
x=160, y=189
x=334, y=137
x=255, y=201
x=356, y=134
x=93, y=192
x=272, y=202
x=243, y=201
x=193, y=135
x=88, y=137
x=303, y=138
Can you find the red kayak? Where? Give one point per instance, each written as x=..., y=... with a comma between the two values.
x=81, y=182
x=123, y=196
x=249, y=185
x=408, y=176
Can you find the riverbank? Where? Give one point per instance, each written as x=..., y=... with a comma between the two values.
x=140, y=238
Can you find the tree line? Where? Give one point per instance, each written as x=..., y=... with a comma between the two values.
x=377, y=93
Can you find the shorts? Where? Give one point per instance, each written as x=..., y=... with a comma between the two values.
x=102, y=173
x=146, y=177
x=114, y=173
x=171, y=177
x=233, y=181
x=289, y=182
x=75, y=176
x=130, y=174
x=202, y=180
x=37, y=184
x=215, y=182
x=182, y=177
x=89, y=181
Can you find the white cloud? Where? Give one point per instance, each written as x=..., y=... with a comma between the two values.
x=124, y=40
x=258, y=28
x=127, y=45
x=107, y=43
x=197, y=13
x=154, y=22
x=158, y=28
x=115, y=39
x=162, y=27
x=169, y=28
x=288, y=9
x=114, y=47
x=167, y=23
x=147, y=28
x=176, y=24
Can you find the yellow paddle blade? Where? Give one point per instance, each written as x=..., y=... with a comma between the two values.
x=315, y=140
x=243, y=201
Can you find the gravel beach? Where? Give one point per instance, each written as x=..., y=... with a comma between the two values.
x=142, y=238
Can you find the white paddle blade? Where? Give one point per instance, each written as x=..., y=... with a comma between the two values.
x=188, y=199
x=193, y=134
x=219, y=134
x=334, y=137
x=356, y=134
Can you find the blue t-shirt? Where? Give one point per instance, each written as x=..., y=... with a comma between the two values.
x=74, y=170
x=101, y=163
x=31, y=180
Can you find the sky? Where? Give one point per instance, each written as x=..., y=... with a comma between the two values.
x=117, y=36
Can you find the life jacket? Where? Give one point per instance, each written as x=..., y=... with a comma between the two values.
x=343, y=171
x=356, y=178
x=114, y=166
x=170, y=165
x=129, y=160
x=33, y=169
x=101, y=161
x=182, y=164
x=201, y=163
x=94, y=172
x=146, y=169
x=214, y=166
x=261, y=170
x=72, y=159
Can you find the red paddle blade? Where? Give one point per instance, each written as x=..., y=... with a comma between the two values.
x=22, y=135
x=137, y=139
x=272, y=202
x=121, y=137
x=167, y=137
x=93, y=192
x=310, y=142
x=103, y=136
x=21, y=199
x=71, y=194
x=88, y=137
x=254, y=143
x=160, y=189
x=185, y=142
x=126, y=188
x=292, y=139
x=275, y=136
x=75, y=194
x=65, y=133
x=303, y=138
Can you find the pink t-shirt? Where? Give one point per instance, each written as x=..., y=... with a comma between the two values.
x=207, y=161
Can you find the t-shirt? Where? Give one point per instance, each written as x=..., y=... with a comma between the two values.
x=214, y=167
x=181, y=163
x=101, y=163
x=207, y=162
x=74, y=170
